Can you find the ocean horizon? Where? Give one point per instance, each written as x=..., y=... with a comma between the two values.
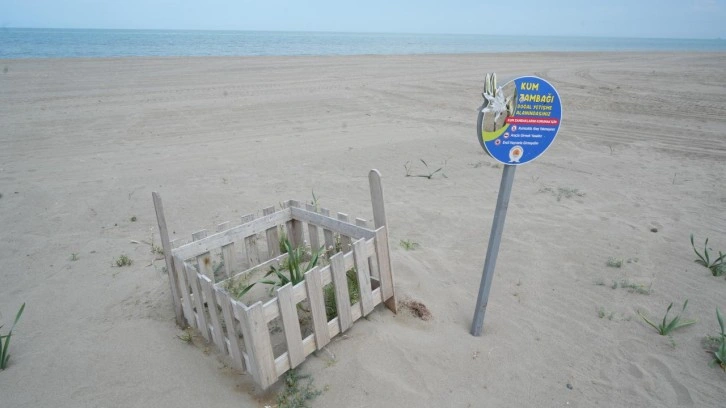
x=18, y=43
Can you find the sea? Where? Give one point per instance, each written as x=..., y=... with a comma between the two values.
x=101, y=43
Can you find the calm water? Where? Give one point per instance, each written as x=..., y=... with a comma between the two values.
x=56, y=43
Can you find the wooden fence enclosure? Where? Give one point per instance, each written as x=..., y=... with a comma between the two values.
x=269, y=337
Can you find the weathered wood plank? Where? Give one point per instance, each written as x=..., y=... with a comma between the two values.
x=252, y=252
x=210, y=296
x=294, y=227
x=187, y=307
x=314, y=286
x=230, y=263
x=384, y=268
x=231, y=235
x=328, y=235
x=344, y=239
x=313, y=231
x=290, y=325
x=198, y=300
x=364, y=276
x=273, y=238
x=324, y=220
x=170, y=269
x=257, y=342
x=342, y=297
x=372, y=264
x=282, y=363
x=379, y=209
x=231, y=323
x=176, y=243
x=204, y=261
x=379, y=220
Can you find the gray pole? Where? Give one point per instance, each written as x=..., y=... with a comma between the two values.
x=500, y=213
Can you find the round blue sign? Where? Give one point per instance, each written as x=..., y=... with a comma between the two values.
x=519, y=120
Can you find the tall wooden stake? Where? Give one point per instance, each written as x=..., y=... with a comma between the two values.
x=170, y=267
x=379, y=220
x=495, y=238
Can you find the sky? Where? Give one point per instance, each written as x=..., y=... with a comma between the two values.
x=598, y=18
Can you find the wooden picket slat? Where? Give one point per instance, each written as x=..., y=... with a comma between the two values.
x=364, y=276
x=251, y=251
x=372, y=264
x=342, y=297
x=273, y=238
x=187, y=307
x=256, y=335
x=313, y=231
x=294, y=226
x=314, y=286
x=327, y=233
x=209, y=295
x=290, y=325
x=230, y=263
x=344, y=239
x=282, y=363
x=204, y=261
x=198, y=300
x=231, y=323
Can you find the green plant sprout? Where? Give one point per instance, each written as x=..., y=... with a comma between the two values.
x=5, y=341
x=315, y=203
x=666, y=326
x=123, y=260
x=295, y=394
x=409, y=245
x=292, y=269
x=430, y=174
x=719, y=355
x=717, y=267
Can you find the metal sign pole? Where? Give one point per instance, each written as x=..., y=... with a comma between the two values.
x=500, y=213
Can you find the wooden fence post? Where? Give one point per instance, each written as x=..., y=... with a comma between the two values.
x=170, y=269
x=379, y=220
x=256, y=336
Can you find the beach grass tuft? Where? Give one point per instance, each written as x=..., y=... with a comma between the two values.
x=409, y=245
x=719, y=355
x=297, y=393
x=123, y=260
x=666, y=326
x=717, y=266
x=5, y=340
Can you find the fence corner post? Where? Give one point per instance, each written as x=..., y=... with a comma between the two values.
x=170, y=269
x=379, y=220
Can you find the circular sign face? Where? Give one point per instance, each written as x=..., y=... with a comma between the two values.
x=519, y=120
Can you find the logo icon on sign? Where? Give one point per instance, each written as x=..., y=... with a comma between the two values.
x=515, y=154
x=497, y=142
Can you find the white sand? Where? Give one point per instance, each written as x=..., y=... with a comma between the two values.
x=84, y=142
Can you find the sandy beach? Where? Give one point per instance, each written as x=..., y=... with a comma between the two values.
x=639, y=165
